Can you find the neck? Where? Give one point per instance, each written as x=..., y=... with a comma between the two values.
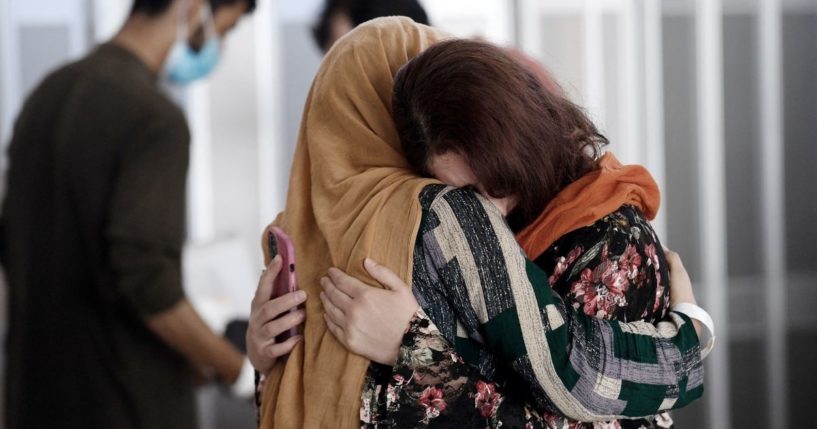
x=149, y=38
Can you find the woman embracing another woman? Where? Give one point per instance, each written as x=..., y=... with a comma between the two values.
x=572, y=329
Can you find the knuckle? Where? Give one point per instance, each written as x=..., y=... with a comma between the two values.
x=271, y=330
x=343, y=283
x=338, y=333
x=351, y=340
x=266, y=277
x=294, y=318
x=269, y=311
x=270, y=352
x=263, y=311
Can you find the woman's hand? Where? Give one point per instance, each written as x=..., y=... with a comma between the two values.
x=368, y=321
x=680, y=286
x=265, y=323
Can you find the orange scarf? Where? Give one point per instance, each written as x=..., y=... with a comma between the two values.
x=589, y=199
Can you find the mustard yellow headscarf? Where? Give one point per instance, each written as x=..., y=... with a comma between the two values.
x=351, y=196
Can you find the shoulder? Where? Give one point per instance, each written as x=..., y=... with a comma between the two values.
x=461, y=209
x=460, y=221
x=620, y=232
x=124, y=85
x=57, y=84
x=625, y=225
x=460, y=202
x=629, y=224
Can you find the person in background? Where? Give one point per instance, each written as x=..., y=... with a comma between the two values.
x=100, y=332
x=339, y=17
x=471, y=115
x=352, y=195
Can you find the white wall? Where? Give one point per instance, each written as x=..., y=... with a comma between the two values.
x=108, y=16
x=37, y=36
x=490, y=19
x=237, y=184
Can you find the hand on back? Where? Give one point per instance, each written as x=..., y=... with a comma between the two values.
x=367, y=320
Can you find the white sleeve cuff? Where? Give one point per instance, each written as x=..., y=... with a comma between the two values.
x=244, y=386
x=694, y=312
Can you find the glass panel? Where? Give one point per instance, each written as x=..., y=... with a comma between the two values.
x=42, y=48
x=681, y=195
x=234, y=139
x=563, y=44
x=800, y=135
x=742, y=146
x=612, y=56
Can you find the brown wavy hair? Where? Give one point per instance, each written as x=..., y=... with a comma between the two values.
x=519, y=138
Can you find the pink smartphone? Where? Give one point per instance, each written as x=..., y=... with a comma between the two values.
x=280, y=243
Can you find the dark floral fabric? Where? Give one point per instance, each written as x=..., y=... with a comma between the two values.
x=614, y=269
x=427, y=361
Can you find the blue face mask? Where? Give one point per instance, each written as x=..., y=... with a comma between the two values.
x=185, y=65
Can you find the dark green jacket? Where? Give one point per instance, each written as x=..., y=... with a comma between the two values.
x=92, y=229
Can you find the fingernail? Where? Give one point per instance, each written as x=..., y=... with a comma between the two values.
x=368, y=263
x=300, y=295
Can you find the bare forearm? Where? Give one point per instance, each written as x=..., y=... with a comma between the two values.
x=181, y=328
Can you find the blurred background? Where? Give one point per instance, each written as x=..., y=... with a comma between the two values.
x=717, y=97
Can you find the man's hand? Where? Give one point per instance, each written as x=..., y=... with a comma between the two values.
x=183, y=330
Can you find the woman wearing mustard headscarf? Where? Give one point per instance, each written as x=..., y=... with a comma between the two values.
x=469, y=114
x=352, y=195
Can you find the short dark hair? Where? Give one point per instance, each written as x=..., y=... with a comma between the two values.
x=215, y=4
x=150, y=7
x=519, y=138
x=157, y=7
x=360, y=11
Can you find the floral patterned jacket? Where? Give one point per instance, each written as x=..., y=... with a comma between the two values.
x=469, y=360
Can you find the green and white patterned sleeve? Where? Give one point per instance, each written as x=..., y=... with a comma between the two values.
x=581, y=367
